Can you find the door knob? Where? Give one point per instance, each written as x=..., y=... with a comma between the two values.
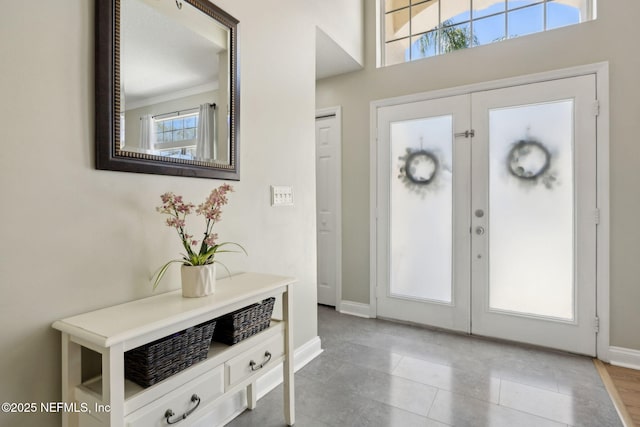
x=479, y=230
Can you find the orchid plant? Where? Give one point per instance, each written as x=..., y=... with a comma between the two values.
x=197, y=252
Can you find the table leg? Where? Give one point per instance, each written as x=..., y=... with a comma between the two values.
x=251, y=396
x=289, y=393
x=71, y=374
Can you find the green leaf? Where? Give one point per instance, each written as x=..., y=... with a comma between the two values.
x=225, y=267
x=232, y=243
x=160, y=273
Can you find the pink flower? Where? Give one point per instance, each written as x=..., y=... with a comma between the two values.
x=210, y=240
x=177, y=210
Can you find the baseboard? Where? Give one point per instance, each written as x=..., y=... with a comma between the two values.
x=355, y=309
x=625, y=357
x=237, y=403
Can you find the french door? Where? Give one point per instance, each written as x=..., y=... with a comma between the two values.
x=486, y=210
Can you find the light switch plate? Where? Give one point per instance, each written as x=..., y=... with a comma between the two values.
x=281, y=195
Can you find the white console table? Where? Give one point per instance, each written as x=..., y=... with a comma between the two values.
x=194, y=391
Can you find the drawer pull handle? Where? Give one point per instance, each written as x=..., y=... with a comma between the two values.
x=254, y=366
x=170, y=413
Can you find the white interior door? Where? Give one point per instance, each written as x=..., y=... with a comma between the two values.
x=534, y=214
x=423, y=213
x=328, y=205
x=486, y=213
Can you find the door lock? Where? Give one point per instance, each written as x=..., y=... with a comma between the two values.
x=479, y=230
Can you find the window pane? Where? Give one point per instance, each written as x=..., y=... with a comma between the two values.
x=424, y=17
x=166, y=125
x=189, y=133
x=525, y=21
x=158, y=126
x=560, y=15
x=424, y=45
x=396, y=52
x=454, y=38
x=421, y=209
x=178, y=135
x=487, y=7
x=190, y=122
x=397, y=24
x=531, y=209
x=178, y=124
x=390, y=5
x=167, y=137
x=513, y=4
x=489, y=30
x=455, y=11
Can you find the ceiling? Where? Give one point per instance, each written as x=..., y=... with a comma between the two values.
x=162, y=58
x=331, y=59
x=168, y=52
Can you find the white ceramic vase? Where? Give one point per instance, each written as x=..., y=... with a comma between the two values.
x=198, y=280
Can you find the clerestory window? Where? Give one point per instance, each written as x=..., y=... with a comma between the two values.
x=415, y=29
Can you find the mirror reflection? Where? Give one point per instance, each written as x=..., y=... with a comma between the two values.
x=174, y=82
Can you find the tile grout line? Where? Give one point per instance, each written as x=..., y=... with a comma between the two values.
x=626, y=419
x=432, y=402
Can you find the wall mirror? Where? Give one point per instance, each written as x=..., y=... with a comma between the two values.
x=167, y=88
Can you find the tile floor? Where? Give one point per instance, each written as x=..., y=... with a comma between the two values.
x=380, y=373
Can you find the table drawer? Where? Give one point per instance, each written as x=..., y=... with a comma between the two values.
x=188, y=399
x=254, y=360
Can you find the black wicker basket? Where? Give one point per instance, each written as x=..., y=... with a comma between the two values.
x=158, y=360
x=241, y=324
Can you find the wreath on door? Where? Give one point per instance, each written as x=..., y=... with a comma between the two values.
x=529, y=161
x=418, y=168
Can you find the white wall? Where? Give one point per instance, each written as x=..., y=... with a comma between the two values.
x=606, y=39
x=76, y=239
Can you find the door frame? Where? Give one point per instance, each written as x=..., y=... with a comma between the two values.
x=337, y=112
x=601, y=71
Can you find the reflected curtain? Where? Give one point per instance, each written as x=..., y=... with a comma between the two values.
x=147, y=132
x=206, y=133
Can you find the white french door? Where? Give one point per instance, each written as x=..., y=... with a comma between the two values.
x=533, y=267
x=486, y=208
x=423, y=212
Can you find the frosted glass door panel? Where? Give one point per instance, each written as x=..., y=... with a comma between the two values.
x=531, y=199
x=421, y=209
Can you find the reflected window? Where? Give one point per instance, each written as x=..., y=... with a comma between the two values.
x=423, y=28
x=175, y=135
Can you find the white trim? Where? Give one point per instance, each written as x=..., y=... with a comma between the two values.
x=230, y=408
x=358, y=309
x=373, y=208
x=338, y=225
x=601, y=70
x=625, y=357
x=582, y=70
x=602, y=201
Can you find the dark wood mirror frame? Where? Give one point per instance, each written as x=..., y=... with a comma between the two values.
x=107, y=102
